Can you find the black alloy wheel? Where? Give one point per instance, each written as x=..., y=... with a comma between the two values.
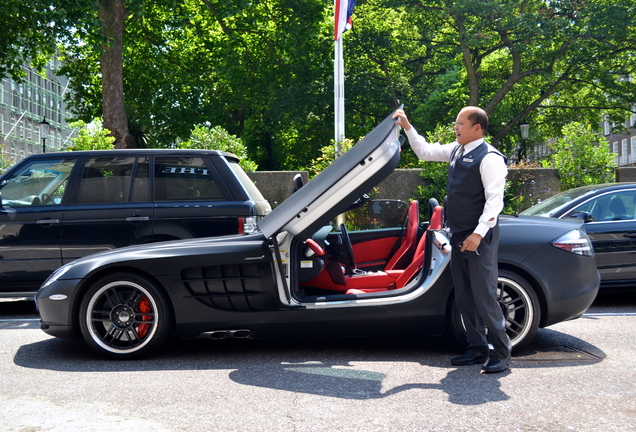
x=519, y=304
x=124, y=316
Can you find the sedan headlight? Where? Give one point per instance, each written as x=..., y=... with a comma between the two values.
x=575, y=241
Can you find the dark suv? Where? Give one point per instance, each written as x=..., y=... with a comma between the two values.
x=57, y=207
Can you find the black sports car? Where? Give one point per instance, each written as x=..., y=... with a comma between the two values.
x=299, y=276
x=609, y=213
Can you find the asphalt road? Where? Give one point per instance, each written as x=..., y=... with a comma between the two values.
x=575, y=376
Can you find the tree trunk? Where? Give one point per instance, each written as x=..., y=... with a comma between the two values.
x=112, y=14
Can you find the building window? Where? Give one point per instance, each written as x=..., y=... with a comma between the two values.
x=606, y=127
x=624, y=152
x=615, y=151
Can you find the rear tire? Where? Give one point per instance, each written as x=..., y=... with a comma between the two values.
x=520, y=306
x=125, y=316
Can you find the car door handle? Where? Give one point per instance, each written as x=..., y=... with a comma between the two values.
x=631, y=234
x=137, y=219
x=48, y=221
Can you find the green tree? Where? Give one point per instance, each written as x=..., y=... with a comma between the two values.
x=92, y=136
x=217, y=138
x=524, y=60
x=582, y=157
x=327, y=156
x=258, y=69
x=264, y=70
x=28, y=35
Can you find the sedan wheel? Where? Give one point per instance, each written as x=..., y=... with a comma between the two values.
x=520, y=307
x=519, y=304
x=124, y=316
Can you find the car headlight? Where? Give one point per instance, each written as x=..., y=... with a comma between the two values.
x=57, y=274
x=575, y=241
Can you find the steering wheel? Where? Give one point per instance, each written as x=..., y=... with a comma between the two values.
x=349, y=259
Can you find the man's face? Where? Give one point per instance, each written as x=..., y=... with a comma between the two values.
x=465, y=131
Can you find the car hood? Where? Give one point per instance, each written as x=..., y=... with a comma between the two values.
x=331, y=192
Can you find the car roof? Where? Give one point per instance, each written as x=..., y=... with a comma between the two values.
x=337, y=187
x=135, y=152
x=604, y=186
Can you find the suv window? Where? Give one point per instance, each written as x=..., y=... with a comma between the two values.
x=106, y=180
x=184, y=178
x=37, y=183
x=245, y=180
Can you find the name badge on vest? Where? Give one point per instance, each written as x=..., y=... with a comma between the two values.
x=468, y=159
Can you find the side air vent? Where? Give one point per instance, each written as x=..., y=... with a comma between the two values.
x=233, y=287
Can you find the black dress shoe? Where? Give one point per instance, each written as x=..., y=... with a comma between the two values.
x=496, y=364
x=469, y=358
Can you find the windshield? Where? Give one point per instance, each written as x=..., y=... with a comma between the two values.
x=553, y=205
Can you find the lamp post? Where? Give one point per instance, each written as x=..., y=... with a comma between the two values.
x=524, y=128
x=44, y=132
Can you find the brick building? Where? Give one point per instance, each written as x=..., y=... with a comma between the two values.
x=624, y=143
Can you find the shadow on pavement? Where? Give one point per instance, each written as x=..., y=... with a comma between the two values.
x=339, y=368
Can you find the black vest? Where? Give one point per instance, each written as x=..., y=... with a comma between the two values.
x=465, y=198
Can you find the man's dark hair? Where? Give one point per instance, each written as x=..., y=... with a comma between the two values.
x=478, y=115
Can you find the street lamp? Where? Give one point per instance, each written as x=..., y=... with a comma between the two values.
x=44, y=132
x=524, y=128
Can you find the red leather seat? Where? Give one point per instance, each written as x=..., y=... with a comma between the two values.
x=395, y=279
x=404, y=254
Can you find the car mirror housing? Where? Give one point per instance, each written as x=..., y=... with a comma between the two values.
x=585, y=216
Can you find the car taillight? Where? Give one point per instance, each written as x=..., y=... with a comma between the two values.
x=575, y=241
x=247, y=225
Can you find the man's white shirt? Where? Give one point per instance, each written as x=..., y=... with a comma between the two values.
x=493, y=171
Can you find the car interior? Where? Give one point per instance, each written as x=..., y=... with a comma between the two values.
x=337, y=262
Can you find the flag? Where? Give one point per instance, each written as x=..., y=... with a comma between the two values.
x=342, y=17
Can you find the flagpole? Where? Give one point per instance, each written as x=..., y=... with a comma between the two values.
x=339, y=96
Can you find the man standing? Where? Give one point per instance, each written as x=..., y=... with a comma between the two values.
x=475, y=189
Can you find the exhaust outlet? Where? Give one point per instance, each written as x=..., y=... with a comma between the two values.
x=218, y=334
x=242, y=334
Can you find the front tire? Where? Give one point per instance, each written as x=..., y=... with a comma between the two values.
x=519, y=304
x=124, y=316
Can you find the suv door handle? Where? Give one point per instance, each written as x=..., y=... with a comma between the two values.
x=631, y=234
x=137, y=219
x=48, y=221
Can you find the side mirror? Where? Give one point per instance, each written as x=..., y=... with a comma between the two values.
x=585, y=216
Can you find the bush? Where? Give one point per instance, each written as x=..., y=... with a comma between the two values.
x=217, y=138
x=91, y=136
x=581, y=157
x=327, y=156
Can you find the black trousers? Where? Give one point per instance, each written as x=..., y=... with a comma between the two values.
x=475, y=281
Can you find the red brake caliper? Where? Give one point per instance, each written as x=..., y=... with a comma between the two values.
x=144, y=307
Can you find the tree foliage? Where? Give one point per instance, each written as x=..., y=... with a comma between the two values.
x=264, y=70
x=581, y=157
x=91, y=136
x=535, y=61
x=217, y=138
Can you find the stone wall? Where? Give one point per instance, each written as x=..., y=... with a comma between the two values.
x=532, y=184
